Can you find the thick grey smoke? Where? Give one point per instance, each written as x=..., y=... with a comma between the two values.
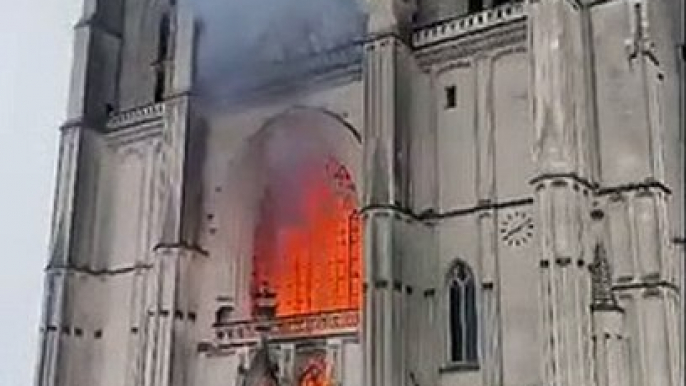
x=291, y=156
x=240, y=38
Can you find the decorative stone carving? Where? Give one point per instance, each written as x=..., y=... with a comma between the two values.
x=458, y=27
x=601, y=280
x=290, y=328
x=512, y=34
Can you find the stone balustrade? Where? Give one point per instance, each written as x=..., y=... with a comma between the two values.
x=453, y=28
x=135, y=116
x=288, y=328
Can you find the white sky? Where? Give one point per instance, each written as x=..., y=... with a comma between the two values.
x=35, y=56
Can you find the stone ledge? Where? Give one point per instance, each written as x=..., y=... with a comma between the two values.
x=456, y=27
x=244, y=332
x=459, y=367
x=136, y=116
x=117, y=271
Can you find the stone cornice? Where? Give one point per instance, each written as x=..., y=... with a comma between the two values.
x=152, y=113
x=455, y=28
x=511, y=34
x=431, y=216
x=647, y=285
x=135, y=134
x=648, y=184
x=182, y=247
x=69, y=269
x=289, y=328
x=545, y=177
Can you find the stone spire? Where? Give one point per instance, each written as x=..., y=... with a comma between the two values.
x=601, y=280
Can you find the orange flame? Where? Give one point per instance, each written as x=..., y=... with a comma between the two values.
x=318, y=373
x=312, y=264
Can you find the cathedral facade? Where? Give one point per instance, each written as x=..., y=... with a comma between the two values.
x=465, y=193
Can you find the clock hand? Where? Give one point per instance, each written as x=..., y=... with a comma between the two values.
x=517, y=229
x=512, y=232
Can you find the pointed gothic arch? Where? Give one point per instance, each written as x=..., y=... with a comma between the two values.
x=462, y=314
x=293, y=185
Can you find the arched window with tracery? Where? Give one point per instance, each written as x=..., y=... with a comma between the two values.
x=308, y=242
x=462, y=318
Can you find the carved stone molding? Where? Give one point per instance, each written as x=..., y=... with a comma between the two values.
x=137, y=117
x=458, y=27
x=135, y=133
x=240, y=333
x=510, y=36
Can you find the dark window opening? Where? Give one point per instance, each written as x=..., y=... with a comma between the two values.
x=164, y=32
x=162, y=58
x=463, y=317
x=497, y=3
x=475, y=6
x=223, y=315
x=450, y=97
x=160, y=79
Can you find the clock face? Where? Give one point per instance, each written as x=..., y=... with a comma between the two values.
x=516, y=228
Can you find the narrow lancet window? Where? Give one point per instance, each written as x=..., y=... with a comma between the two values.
x=162, y=58
x=450, y=97
x=462, y=317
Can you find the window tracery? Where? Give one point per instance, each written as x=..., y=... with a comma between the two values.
x=462, y=318
x=308, y=244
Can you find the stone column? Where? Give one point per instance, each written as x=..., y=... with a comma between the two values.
x=562, y=189
x=172, y=299
x=564, y=282
x=633, y=70
x=608, y=347
x=491, y=337
x=386, y=157
x=336, y=361
x=170, y=318
x=61, y=245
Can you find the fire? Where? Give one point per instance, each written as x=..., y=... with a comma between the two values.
x=317, y=373
x=312, y=262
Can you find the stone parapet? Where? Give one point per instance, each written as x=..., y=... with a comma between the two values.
x=136, y=116
x=457, y=27
x=242, y=332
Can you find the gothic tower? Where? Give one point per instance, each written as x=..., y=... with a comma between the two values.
x=378, y=193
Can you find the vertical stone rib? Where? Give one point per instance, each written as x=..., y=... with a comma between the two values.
x=564, y=285
x=647, y=235
x=656, y=343
x=490, y=274
x=485, y=129
x=620, y=239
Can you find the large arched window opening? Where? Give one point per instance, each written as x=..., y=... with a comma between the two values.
x=307, y=244
x=306, y=239
x=462, y=318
